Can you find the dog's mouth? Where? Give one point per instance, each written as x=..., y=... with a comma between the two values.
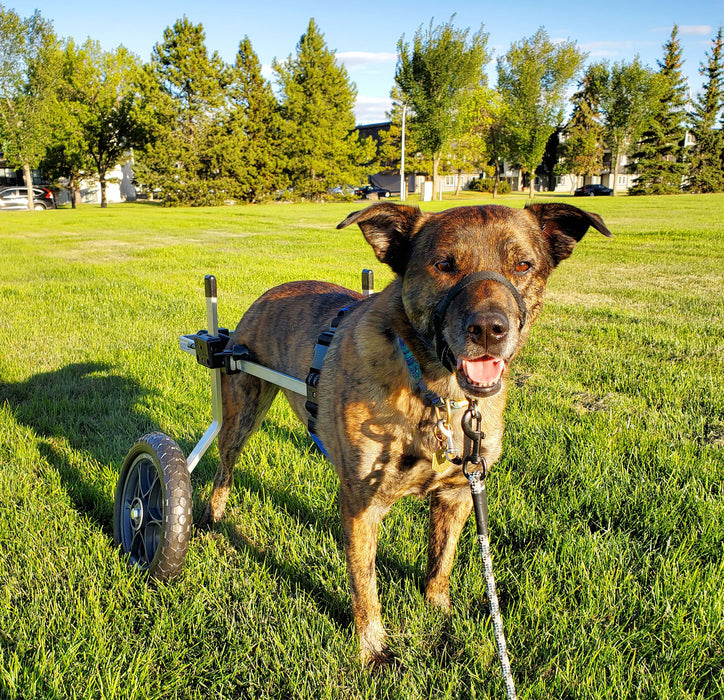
x=482, y=376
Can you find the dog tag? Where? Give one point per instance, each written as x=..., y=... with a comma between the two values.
x=440, y=461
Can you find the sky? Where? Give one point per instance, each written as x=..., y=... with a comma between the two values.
x=365, y=35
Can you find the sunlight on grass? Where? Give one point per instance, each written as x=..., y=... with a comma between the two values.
x=606, y=509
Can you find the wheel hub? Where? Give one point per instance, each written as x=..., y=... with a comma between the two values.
x=136, y=513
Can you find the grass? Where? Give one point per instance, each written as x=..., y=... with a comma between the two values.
x=606, y=510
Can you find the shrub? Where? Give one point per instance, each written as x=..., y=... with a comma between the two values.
x=486, y=184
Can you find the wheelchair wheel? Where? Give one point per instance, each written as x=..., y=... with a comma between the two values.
x=152, y=518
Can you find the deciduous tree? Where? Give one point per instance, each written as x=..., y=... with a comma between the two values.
x=436, y=74
x=533, y=77
x=29, y=63
x=582, y=151
x=99, y=94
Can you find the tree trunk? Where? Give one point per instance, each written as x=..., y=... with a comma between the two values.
x=29, y=184
x=435, y=166
x=531, y=191
x=614, y=158
x=457, y=184
x=104, y=200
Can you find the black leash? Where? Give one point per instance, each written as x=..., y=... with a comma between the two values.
x=471, y=424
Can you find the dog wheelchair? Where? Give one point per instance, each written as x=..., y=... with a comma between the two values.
x=152, y=518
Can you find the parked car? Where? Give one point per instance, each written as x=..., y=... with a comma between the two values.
x=593, y=191
x=372, y=192
x=13, y=198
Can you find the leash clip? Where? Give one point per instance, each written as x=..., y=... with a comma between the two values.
x=472, y=427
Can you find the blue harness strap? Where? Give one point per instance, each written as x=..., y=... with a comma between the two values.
x=429, y=396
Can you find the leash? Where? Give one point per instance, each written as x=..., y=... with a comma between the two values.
x=471, y=423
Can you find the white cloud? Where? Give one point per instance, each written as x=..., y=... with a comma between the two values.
x=371, y=110
x=695, y=29
x=607, y=48
x=364, y=59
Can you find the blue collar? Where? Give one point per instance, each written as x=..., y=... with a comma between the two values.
x=429, y=396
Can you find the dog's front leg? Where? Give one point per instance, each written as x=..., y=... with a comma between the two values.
x=360, y=545
x=449, y=511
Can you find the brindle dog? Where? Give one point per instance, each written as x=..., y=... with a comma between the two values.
x=374, y=417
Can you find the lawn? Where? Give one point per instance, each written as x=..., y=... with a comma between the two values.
x=606, y=510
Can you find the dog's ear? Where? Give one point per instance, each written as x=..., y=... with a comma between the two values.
x=564, y=225
x=389, y=229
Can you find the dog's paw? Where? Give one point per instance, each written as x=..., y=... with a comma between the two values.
x=438, y=599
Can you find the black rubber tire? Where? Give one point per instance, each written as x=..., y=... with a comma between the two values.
x=152, y=517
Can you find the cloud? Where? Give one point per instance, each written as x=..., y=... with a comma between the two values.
x=364, y=59
x=695, y=29
x=608, y=48
x=371, y=110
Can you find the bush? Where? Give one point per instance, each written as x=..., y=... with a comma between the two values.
x=486, y=184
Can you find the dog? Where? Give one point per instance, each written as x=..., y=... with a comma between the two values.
x=469, y=285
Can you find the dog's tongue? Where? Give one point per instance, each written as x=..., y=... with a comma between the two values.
x=486, y=370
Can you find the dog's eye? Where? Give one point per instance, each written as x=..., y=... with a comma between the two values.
x=522, y=267
x=444, y=266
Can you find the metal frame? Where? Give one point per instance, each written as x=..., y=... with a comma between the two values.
x=190, y=345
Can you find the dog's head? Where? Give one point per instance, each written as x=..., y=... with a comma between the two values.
x=472, y=278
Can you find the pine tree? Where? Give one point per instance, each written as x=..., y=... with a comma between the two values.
x=187, y=87
x=660, y=158
x=321, y=146
x=247, y=151
x=706, y=172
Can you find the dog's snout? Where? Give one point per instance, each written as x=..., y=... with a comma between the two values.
x=487, y=327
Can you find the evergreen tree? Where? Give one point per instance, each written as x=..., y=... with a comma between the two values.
x=321, y=147
x=436, y=75
x=186, y=87
x=706, y=171
x=582, y=150
x=660, y=159
x=247, y=152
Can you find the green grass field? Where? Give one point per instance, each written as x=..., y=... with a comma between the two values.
x=606, y=510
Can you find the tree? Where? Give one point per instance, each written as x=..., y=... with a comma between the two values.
x=582, y=150
x=436, y=75
x=627, y=96
x=247, y=152
x=706, y=173
x=532, y=78
x=99, y=95
x=322, y=148
x=28, y=70
x=185, y=86
x=660, y=158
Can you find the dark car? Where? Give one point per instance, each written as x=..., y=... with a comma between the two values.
x=14, y=198
x=372, y=192
x=593, y=191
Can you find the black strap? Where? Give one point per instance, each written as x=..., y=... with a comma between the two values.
x=315, y=371
x=442, y=348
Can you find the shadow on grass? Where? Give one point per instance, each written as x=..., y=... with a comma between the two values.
x=87, y=417
x=84, y=415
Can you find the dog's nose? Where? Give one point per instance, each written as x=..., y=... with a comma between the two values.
x=487, y=327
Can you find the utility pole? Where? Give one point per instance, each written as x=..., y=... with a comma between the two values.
x=403, y=188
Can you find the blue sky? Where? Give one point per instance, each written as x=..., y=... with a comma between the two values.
x=365, y=35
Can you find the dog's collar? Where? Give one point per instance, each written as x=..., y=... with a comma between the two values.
x=428, y=395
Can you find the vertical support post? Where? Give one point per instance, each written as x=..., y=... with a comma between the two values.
x=368, y=283
x=212, y=322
